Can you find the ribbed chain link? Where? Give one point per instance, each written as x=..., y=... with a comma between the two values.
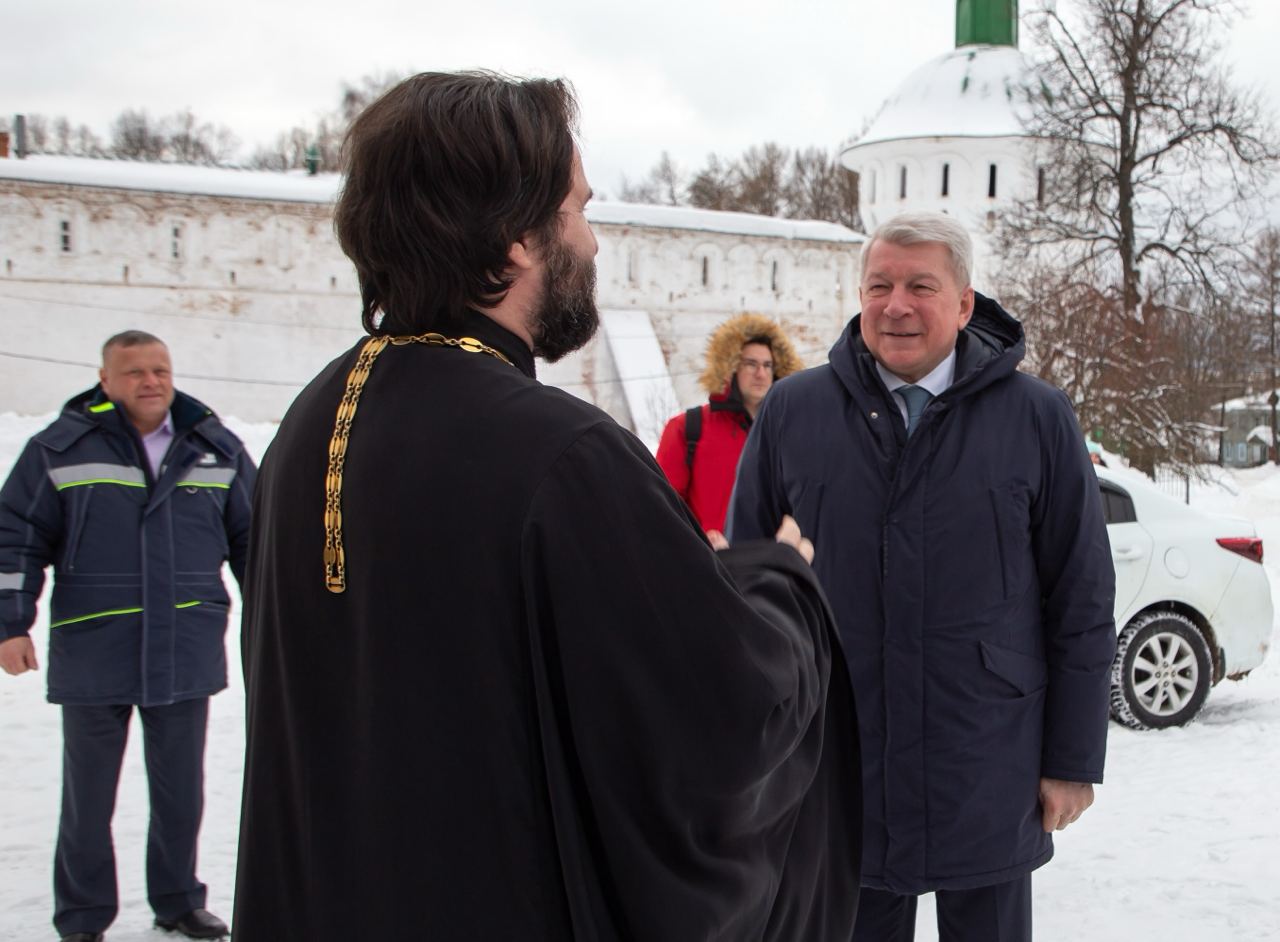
x=335, y=559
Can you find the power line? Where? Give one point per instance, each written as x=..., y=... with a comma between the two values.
x=244, y=322
x=214, y=379
x=299, y=385
x=224, y=321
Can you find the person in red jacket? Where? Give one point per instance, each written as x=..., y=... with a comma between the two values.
x=699, y=448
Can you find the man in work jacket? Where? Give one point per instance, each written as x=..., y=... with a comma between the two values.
x=700, y=447
x=965, y=555
x=135, y=495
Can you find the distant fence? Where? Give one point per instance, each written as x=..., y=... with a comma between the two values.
x=1177, y=484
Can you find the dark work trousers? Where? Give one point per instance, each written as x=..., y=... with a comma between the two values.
x=999, y=913
x=84, y=866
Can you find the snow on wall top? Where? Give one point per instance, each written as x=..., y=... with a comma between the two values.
x=968, y=92
x=293, y=186
x=710, y=220
x=298, y=187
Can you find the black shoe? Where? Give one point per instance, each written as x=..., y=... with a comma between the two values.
x=197, y=924
x=84, y=937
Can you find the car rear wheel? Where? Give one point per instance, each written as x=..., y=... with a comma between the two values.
x=1162, y=672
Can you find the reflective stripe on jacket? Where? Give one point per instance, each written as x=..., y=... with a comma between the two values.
x=138, y=611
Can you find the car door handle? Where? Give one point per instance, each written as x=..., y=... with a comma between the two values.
x=1128, y=552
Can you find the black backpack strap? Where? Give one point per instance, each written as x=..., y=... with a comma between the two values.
x=692, y=432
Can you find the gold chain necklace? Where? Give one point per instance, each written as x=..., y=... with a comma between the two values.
x=335, y=559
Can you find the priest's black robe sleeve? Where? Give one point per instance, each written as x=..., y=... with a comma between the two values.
x=698, y=734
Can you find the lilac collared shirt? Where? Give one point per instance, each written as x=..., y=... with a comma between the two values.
x=157, y=444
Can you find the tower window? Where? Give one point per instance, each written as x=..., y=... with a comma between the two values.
x=64, y=235
x=991, y=181
x=175, y=243
x=902, y=183
x=946, y=179
x=872, y=198
x=1040, y=186
x=773, y=278
x=706, y=271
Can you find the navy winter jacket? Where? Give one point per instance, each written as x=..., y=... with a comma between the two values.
x=971, y=578
x=139, y=609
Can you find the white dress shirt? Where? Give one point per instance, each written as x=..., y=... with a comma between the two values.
x=937, y=382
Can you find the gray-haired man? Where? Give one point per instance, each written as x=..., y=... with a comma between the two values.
x=966, y=559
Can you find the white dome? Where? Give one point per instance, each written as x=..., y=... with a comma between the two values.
x=973, y=91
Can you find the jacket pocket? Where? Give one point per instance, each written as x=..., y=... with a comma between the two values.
x=1025, y=672
x=1011, y=520
x=78, y=513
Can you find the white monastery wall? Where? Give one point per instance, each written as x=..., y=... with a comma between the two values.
x=254, y=296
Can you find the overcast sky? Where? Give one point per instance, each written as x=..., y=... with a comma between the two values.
x=688, y=76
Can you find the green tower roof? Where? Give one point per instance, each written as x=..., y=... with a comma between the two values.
x=986, y=22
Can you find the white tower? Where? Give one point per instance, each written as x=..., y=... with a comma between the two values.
x=950, y=138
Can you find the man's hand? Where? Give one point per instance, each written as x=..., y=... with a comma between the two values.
x=18, y=655
x=717, y=540
x=788, y=533
x=1062, y=803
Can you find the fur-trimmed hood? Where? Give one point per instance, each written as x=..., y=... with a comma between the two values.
x=725, y=347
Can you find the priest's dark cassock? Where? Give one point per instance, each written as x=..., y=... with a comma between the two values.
x=543, y=708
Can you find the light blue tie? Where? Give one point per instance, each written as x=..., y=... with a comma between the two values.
x=916, y=398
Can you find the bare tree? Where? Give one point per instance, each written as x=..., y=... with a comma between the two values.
x=819, y=187
x=1147, y=157
x=134, y=136
x=664, y=185
x=715, y=185
x=293, y=147
x=1261, y=270
x=358, y=95
x=762, y=179
x=39, y=138
x=767, y=179
x=85, y=143
x=61, y=135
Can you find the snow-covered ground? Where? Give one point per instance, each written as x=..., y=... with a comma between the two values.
x=1183, y=844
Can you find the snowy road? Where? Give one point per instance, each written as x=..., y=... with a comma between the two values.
x=1183, y=844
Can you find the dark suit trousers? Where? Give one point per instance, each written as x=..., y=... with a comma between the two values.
x=84, y=868
x=999, y=913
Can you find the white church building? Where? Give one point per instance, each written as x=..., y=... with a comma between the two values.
x=950, y=138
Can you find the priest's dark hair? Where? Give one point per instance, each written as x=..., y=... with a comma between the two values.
x=444, y=173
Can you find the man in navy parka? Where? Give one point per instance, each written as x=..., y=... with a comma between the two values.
x=968, y=566
x=135, y=495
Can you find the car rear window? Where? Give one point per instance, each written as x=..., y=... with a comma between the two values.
x=1117, y=506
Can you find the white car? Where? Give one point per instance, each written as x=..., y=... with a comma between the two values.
x=1193, y=604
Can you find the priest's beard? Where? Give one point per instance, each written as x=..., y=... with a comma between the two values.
x=566, y=316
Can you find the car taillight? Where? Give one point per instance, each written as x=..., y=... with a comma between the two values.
x=1247, y=546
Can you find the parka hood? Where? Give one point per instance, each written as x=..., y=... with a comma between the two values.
x=725, y=346
x=91, y=408
x=989, y=348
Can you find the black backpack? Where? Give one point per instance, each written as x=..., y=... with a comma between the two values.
x=692, y=432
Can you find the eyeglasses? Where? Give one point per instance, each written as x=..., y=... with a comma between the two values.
x=756, y=364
